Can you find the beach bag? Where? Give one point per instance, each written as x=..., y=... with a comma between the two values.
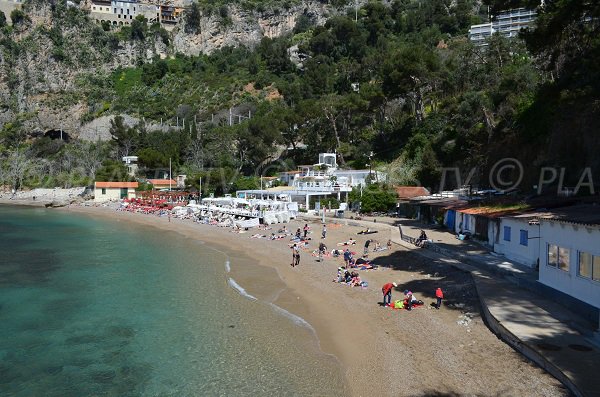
x=399, y=304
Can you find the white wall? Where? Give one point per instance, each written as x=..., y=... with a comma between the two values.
x=111, y=194
x=576, y=238
x=513, y=249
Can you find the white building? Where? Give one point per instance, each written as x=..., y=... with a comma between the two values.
x=518, y=239
x=123, y=12
x=325, y=176
x=508, y=24
x=319, y=180
x=570, y=260
x=131, y=164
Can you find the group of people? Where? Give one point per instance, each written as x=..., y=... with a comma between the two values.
x=409, y=297
x=352, y=278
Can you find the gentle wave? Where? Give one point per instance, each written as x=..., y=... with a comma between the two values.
x=240, y=290
x=296, y=319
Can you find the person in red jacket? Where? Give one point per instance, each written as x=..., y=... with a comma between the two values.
x=387, y=293
x=439, y=295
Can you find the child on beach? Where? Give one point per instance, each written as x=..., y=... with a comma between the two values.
x=439, y=295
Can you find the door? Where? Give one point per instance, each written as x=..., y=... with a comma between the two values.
x=123, y=192
x=450, y=219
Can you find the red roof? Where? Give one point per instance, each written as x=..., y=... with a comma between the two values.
x=119, y=185
x=405, y=192
x=163, y=182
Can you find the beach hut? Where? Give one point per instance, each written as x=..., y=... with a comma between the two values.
x=112, y=191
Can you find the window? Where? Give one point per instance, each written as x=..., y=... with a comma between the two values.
x=103, y=191
x=585, y=265
x=128, y=11
x=115, y=10
x=563, y=258
x=506, y=233
x=589, y=266
x=552, y=255
x=524, y=237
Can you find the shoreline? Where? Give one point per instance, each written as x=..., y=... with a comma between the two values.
x=381, y=351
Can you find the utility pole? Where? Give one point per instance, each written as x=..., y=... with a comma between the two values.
x=170, y=174
x=356, y=11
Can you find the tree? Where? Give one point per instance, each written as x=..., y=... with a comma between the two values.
x=410, y=73
x=19, y=163
x=17, y=17
x=112, y=171
x=2, y=19
x=192, y=18
x=139, y=28
x=125, y=137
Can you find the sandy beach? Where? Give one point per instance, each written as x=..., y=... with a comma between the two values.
x=425, y=352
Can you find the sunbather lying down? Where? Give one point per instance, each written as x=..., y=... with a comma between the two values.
x=367, y=231
x=349, y=242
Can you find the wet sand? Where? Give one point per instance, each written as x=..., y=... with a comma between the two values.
x=382, y=351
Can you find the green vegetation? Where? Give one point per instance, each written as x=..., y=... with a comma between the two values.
x=403, y=82
x=374, y=198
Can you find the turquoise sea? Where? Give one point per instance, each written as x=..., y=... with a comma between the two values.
x=92, y=307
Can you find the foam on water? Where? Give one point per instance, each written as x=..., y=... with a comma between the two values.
x=227, y=267
x=239, y=289
x=295, y=319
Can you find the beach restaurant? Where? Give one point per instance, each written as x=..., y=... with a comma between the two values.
x=112, y=191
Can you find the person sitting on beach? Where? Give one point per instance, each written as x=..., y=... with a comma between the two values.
x=422, y=239
x=335, y=253
x=377, y=246
x=298, y=234
x=410, y=299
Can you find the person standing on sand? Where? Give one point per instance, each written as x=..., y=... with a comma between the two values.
x=439, y=295
x=366, y=250
x=294, y=249
x=387, y=293
x=347, y=257
x=306, y=230
x=389, y=245
x=324, y=232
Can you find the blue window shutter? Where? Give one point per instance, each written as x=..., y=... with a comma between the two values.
x=506, y=233
x=524, y=236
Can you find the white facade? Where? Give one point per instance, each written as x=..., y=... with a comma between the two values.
x=123, y=12
x=508, y=24
x=114, y=191
x=326, y=177
x=570, y=259
x=517, y=240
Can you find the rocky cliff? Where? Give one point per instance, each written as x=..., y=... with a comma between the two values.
x=56, y=59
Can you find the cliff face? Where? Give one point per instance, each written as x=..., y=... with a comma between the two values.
x=244, y=28
x=54, y=62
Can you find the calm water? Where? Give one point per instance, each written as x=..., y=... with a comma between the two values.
x=97, y=308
